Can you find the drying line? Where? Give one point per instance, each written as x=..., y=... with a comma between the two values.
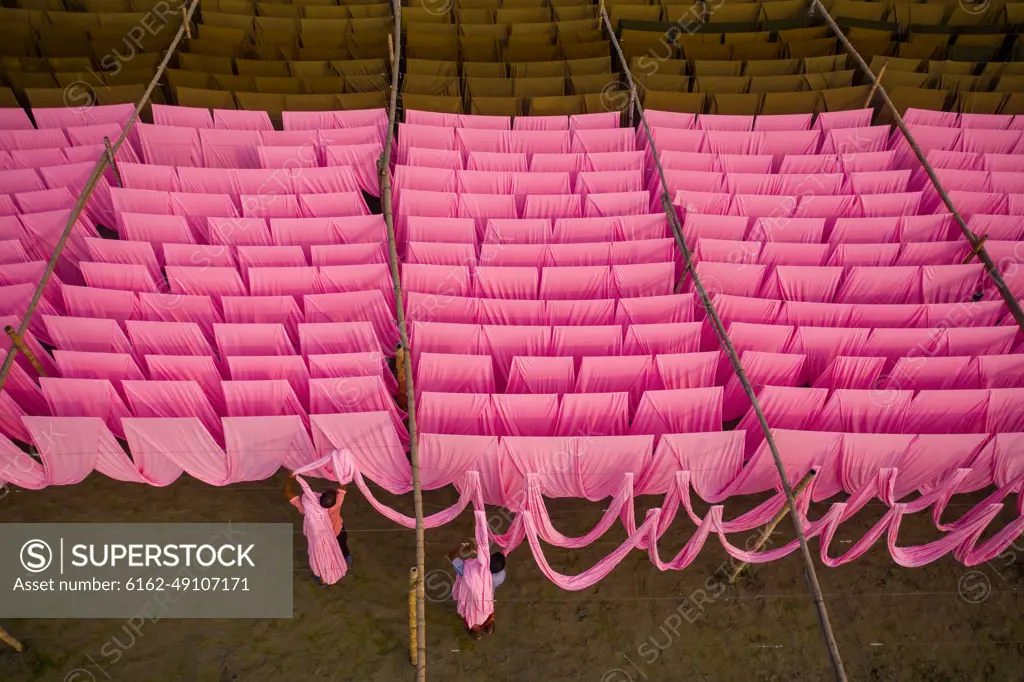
x=723, y=337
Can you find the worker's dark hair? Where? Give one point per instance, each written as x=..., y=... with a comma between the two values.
x=328, y=498
x=497, y=562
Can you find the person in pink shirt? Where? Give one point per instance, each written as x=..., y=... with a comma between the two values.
x=330, y=500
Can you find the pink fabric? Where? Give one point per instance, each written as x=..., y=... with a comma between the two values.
x=290, y=368
x=171, y=399
x=186, y=117
x=855, y=292
x=202, y=369
x=554, y=375
x=174, y=308
x=338, y=337
x=455, y=373
x=168, y=338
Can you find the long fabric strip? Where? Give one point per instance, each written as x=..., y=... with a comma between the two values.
x=533, y=524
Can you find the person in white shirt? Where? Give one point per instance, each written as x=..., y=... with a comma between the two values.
x=458, y=557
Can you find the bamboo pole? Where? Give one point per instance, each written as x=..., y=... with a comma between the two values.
x=403, y=399
x=112, y=161
x=7, y=639
x=975, y=242
x=673, y=219
x=19, y=343
x=414, y=576
x=83, y=198
x=770, y=528
x=878, y=81
x=976, y=250
x=384, y=170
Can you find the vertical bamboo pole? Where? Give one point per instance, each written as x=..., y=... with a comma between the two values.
x=414, y=575
x=403, y=399
x=414, y=458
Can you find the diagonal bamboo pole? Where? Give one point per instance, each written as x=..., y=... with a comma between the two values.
x=770, y=528
x=87, y=190
x=384, y=169
x=19, y=343
x=730, y=350
x=977, y=244
x=6, y=638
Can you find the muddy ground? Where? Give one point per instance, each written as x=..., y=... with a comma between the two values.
x=940, y=622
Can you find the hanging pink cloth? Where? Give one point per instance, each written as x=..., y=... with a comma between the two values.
x=340, y=337
x=455, y=373
x=366, y=229
x=539, y=375
x=85, y=398
x=456, y=413
x=347, y=254
x=579, y=313
x=201, y=369
x=351, y=365
x=525, y=415
x=291, y=368
x=172, y=399
x=592, y=414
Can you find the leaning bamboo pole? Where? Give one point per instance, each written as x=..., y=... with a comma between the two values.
x=384, y=170
x=87, y=190
x=19, y=343
x=723, y=337
x=770, y=528
x=6, y=638
x=977, y=243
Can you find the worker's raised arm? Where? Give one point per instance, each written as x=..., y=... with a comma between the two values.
x=289, y=488
x=459, y=552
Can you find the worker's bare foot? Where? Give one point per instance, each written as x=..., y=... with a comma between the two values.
x=490, y=628
x=476, y=634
